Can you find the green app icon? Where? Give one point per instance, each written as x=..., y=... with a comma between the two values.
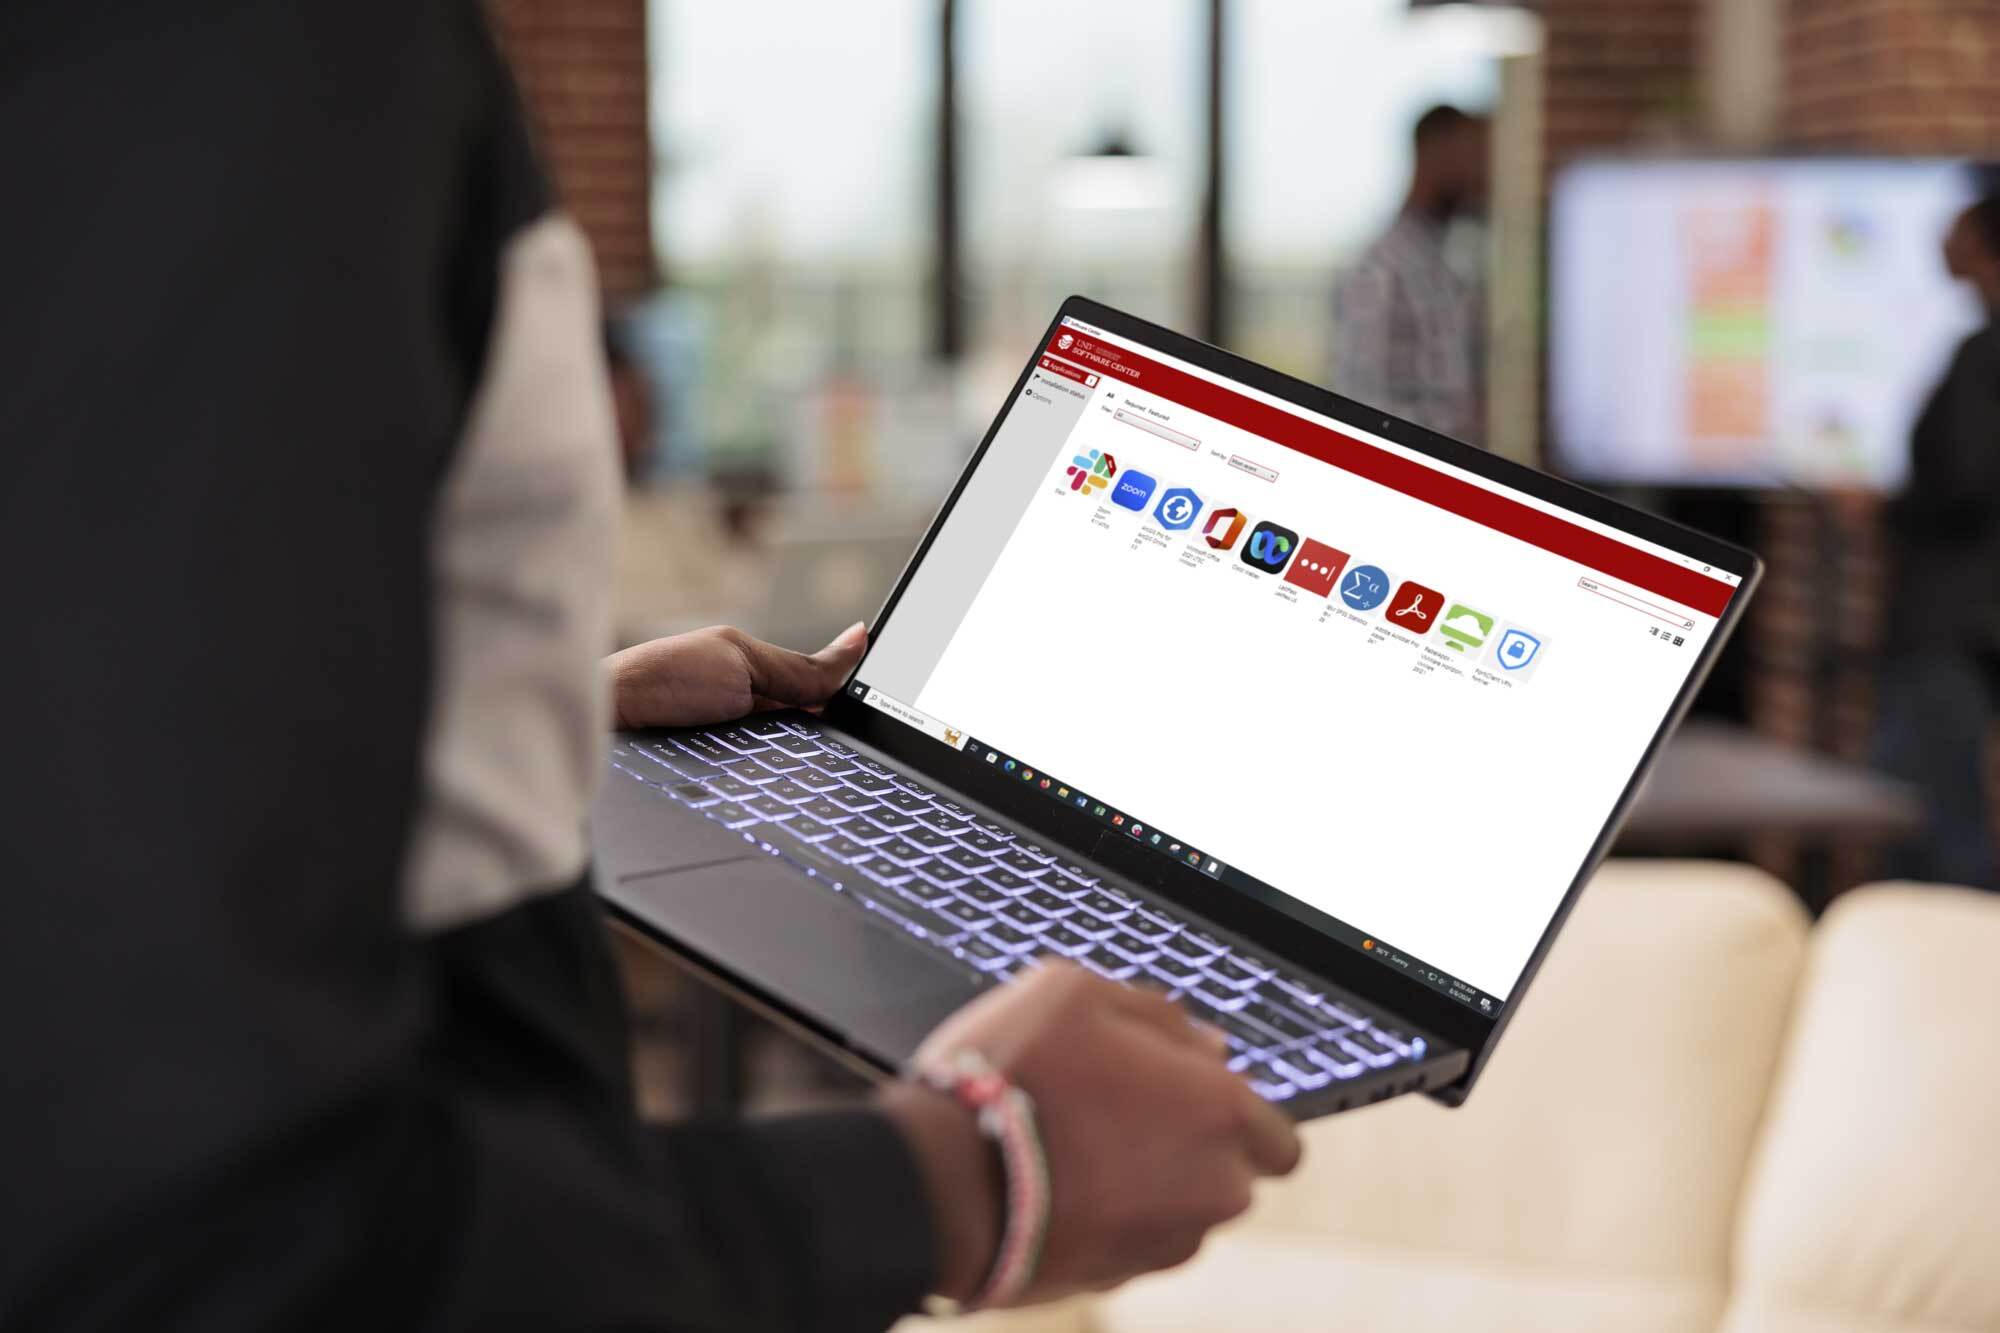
x=1465, y=629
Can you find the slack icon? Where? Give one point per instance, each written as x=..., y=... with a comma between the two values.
x=1269, y=547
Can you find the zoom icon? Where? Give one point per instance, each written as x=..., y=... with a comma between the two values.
x=1269, y=547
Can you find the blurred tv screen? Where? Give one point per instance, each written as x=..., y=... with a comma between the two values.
x=1750, y=323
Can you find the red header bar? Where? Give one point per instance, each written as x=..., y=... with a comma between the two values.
x=1454, y=495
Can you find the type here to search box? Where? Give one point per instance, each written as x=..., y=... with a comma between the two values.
x=1152, y=427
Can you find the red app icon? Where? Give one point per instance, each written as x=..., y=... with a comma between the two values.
x=1316, y=568
x=1415, y=607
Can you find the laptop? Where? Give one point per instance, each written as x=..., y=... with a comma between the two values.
x=1208, y=680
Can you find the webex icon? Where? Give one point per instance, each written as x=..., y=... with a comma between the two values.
x=1269, y=547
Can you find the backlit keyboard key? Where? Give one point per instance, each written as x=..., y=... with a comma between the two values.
x=1226, y=971
x=1020, y=864
x=826, y=812
x=984, y=842
x=1289, y=1025
x=924, y=890
x=1181, y=947
x=963, y=915
x=981, y=954
x=1335, y=1059
x=842, y=848
x=799, y=747
x=1302, y=991
x=1005, y=880
x=852, y=800
x=902, y=800
x=1108, y=908
x=944, y=876
x=1302, y=1075
x=1217, y=997
x=1175, y=973
x=966, y=859
x=1022, y=916
x=1048, y=904
x=788, y=791
x=982, y=895
x=1067, y=942
x=732, y=815
x=1106, y=965
x=1130, y=947
x=1003, y=936
x=771, y=809
x=870, y=783
x=734, y=788
x=694, y=794
x=739, y=740
x=885, y=872
x=902, y=853
x=703, y=747
x=815, y=780
x=1369, y=1049
x=928, y=839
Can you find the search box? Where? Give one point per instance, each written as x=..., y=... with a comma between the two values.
x=1152, y=427
x=1632, y=601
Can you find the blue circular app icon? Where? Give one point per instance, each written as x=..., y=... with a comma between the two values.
x=1364, y=587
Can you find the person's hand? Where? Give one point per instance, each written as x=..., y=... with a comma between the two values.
x=720, y=674
x=1151, y=1141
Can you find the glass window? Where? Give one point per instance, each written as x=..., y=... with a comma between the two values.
x=1321, y=101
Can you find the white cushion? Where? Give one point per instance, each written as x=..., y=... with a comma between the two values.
x=1247, y=1280
x=1610, y=1133
x=1875, y=1199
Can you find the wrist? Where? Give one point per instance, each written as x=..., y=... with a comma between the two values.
x=964, y=1179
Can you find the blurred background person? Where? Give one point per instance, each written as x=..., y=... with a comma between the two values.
x=1408, y=323
x=1941, y=671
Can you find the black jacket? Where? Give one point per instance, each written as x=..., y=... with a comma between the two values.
x=252, y=254
x=1945, y=527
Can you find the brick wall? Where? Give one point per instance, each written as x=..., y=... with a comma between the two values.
x=1616, y=73
x=582, y=70
x=1905, y=76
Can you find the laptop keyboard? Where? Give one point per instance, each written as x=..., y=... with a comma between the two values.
x=981, y=892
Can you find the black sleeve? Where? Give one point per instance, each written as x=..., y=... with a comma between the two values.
x=575, y=1216
x=241, y=1092
x=1954, y=485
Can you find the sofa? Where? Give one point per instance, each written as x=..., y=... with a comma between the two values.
x=1709, y=1115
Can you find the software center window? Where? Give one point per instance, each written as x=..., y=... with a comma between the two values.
x=1311, y=725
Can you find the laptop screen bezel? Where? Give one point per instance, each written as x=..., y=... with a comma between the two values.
x=1269, y=927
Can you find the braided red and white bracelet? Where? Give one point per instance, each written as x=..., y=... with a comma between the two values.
x=1006, y=1115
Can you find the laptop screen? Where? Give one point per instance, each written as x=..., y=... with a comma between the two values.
x=1393, y=699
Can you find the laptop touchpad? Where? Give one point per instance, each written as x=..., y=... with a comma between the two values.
x=793, y=939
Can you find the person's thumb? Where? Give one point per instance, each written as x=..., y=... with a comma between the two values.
x=801, y=680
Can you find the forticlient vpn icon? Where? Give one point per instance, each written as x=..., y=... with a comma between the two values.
x=1092, y=472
